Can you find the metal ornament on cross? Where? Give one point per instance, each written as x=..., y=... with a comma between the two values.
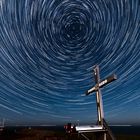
x=99, y=84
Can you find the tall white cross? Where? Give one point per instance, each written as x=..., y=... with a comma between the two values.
x=96, y=88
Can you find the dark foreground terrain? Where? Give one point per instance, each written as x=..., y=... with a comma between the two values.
x=34, y=133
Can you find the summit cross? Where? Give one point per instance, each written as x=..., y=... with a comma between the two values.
x=99, y=84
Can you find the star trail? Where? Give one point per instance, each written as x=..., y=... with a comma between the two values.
x=48, y=49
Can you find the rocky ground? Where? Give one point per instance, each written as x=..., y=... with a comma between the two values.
x=36, y=134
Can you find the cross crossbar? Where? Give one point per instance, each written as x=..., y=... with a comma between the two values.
x=104, y=82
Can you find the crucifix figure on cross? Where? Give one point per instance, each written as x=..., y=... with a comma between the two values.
x=99, y=84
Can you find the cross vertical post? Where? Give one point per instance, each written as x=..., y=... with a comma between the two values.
x=99, y=97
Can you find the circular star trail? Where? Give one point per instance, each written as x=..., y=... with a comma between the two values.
x=48, y=49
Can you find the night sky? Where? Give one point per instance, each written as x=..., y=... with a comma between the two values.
x=48, y=49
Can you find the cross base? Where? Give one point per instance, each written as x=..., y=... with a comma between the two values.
x=98, y=132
